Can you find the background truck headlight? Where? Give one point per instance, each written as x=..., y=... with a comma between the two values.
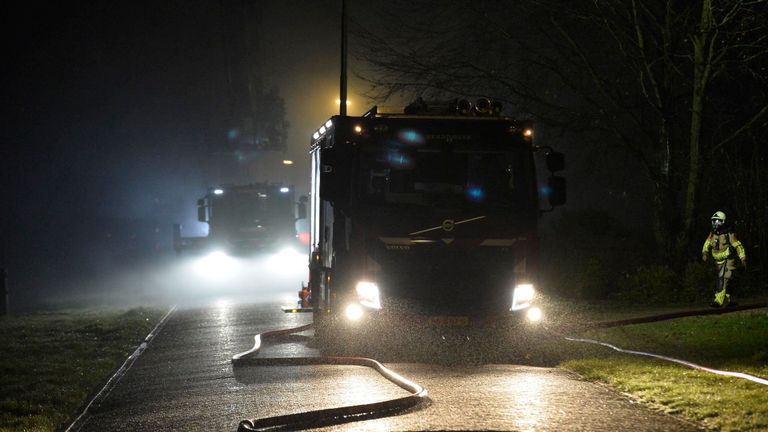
x=288, y=261
x=216, y=265
x=522, y=297
x=368, y=294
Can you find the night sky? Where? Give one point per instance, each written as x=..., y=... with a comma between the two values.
x=110, y=109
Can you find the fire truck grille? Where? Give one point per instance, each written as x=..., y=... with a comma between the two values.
x=448, y=282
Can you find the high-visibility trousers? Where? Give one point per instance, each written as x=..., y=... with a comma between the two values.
x=725, y=270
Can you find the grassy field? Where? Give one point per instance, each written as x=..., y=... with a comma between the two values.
x=736, y=342
x=51, y=363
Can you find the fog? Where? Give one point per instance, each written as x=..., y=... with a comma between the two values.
x=186, y=282
x=116, y=118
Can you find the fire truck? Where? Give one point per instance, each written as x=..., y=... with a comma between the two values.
x=244, y=219
x=426, y=215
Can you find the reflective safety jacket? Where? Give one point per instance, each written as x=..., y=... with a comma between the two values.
x=721, y=246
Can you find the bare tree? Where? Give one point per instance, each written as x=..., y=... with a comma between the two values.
x=645, y=76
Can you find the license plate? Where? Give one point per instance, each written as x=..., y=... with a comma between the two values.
x=448, y=321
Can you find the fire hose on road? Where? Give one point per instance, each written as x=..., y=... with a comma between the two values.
x=664, y=317
x=418, y=394
x=329, y=416
x=674, y=360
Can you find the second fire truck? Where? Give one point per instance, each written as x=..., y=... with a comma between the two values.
x=244, y=219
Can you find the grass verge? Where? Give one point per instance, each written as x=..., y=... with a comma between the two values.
x=51, y=363
x=734, y=342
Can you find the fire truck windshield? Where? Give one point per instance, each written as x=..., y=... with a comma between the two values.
x=251, y=210
x=458, y=178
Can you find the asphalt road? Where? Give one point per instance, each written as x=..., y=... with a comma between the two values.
x=184, y=380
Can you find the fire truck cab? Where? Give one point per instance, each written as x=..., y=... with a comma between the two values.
x=425, y=214
x=244, y=219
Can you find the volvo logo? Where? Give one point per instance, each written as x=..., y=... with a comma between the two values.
x=447, y=225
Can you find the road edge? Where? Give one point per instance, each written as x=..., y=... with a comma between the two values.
x=76, y=424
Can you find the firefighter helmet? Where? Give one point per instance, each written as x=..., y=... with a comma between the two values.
x=718, y=221
x=719, y=216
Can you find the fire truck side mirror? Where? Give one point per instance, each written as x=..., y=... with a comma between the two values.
x=557, y=195
x=201, y=214
x=555, y=161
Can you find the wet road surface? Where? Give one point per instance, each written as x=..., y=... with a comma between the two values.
x=184, y=380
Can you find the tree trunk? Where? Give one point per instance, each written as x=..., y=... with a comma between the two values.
x=663, y=198
x=702, y=51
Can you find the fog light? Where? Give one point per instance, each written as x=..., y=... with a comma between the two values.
x=354, y=312
x=534, y=314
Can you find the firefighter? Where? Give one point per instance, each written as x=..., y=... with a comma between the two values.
x=305, y=297
x=315, y=265
x=721, y=243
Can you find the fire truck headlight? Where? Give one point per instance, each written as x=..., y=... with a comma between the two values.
x=354, y=312
x=368, y=294
x=534, y=314
x=287, y=260
x=522, y=297
x=215, y=265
